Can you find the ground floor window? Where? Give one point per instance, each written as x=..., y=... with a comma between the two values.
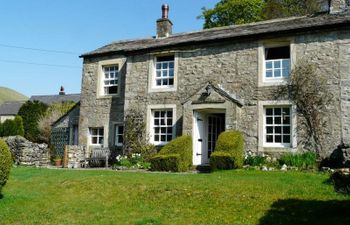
x=277, y=126
x=162, y=125
x=119, y=134
x=96, y=135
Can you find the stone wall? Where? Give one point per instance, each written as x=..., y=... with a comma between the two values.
x=28, y=153
x=76, y=156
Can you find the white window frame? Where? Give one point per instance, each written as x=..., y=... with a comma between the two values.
x=117, y=134
x=263, y=145
x=150, y=117
x=97, y=136
x=263, y=45
x=153, y=73
x=101, y=76
x=115, y=79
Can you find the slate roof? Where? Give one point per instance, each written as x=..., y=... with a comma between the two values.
x=280, y=26
x=10, y=108
x=51, y=99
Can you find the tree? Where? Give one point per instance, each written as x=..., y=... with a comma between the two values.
x=285, y=8
x=12, y=127
x=230, y=12
x=30, y=113
x=233, y=12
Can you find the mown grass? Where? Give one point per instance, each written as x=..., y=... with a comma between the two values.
x=43, y=196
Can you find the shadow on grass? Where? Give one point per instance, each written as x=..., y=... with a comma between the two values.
x=300, y=212
x=1, y=196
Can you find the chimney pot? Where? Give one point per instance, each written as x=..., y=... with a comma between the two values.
x=62, y=91
x=165, y=11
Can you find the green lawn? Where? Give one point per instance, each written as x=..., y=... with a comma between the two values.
x=43, y=196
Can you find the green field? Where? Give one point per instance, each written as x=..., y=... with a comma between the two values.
x=7, y=94
x=44, y=196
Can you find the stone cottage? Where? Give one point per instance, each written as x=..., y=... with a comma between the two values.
x=202, y=83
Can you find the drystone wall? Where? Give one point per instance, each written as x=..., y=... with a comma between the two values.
x=28, y=153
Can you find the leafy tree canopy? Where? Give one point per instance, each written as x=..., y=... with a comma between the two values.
x=231, y=12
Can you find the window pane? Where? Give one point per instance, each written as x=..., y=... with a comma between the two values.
x=165, y=73
x=162, y=138
x=278, y=130
x=158, y=66
x=94, y=140
x=285, y=63
x=269, y=130
x=120, y=129
x=171, y=73
x=286, y=111
x=286, y=120
x=286, y=130
x=278, y=139
x=170, y=114
x=277, y=64
x=162, y=113
x=169, y=137
x=165, y=81
x=278, y=120
x=269, y=65
x=163, y=130
x=156, y=130
x=286, y=138
x=156, y=137
x=162, y=122
x=158, y=73
x=164, y=65
x=156, y=122
x=94, y=131
x=277, y=111
x=156, y=114
x=269, y=73
x=120, y=139
x=269, y=138
x=269, y=120
x=169, y=121
x=285, y=73
x=277, y=73
x=100, y=131
x=169, y=130
x=171, y=81
x=171, y=65
x=269, y=111
x=159, y=82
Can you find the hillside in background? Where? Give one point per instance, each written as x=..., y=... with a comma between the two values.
x=7, y=94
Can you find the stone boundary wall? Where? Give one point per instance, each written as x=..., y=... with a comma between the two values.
x=74, y=156
x=28, y=153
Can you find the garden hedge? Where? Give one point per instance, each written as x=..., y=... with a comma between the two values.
x=5, y=163
x=221, y=161
x=232, y=143
x=178, y=151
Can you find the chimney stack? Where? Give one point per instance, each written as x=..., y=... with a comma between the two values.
x=164, y=25
x=61, y=91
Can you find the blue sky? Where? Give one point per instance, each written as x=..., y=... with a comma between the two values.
x=75, y=27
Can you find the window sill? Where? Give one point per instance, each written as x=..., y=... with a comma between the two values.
x=274, y=83
x=108, y=96
x=165, y=89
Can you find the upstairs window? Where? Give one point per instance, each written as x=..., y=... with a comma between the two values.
x=277, y=63
x=110, y=79
x=164, y=72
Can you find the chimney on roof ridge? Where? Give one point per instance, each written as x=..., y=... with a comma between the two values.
x=62, y=91
x=164, y=25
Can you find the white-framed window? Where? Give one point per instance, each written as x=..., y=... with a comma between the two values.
x=277, y=62
x=277, y=126
x=119, y=135
x=162, y=122
x=164, y=72
x=110, y=79
x=96, y=135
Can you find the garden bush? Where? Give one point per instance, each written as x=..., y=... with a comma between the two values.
x=182, y=146
x=232, y=143
x=5, y=163
x=306, y=160
x=12, y=127
x=169, y=162
x=257, y=160
x=221, y=161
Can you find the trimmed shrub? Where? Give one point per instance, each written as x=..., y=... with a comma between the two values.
x=170, y=162
x=181, y=146
x=231, y=142
x=306, y=160
x=19, y=126
x=221, y=161
x=12, y=127
x=5, y=163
